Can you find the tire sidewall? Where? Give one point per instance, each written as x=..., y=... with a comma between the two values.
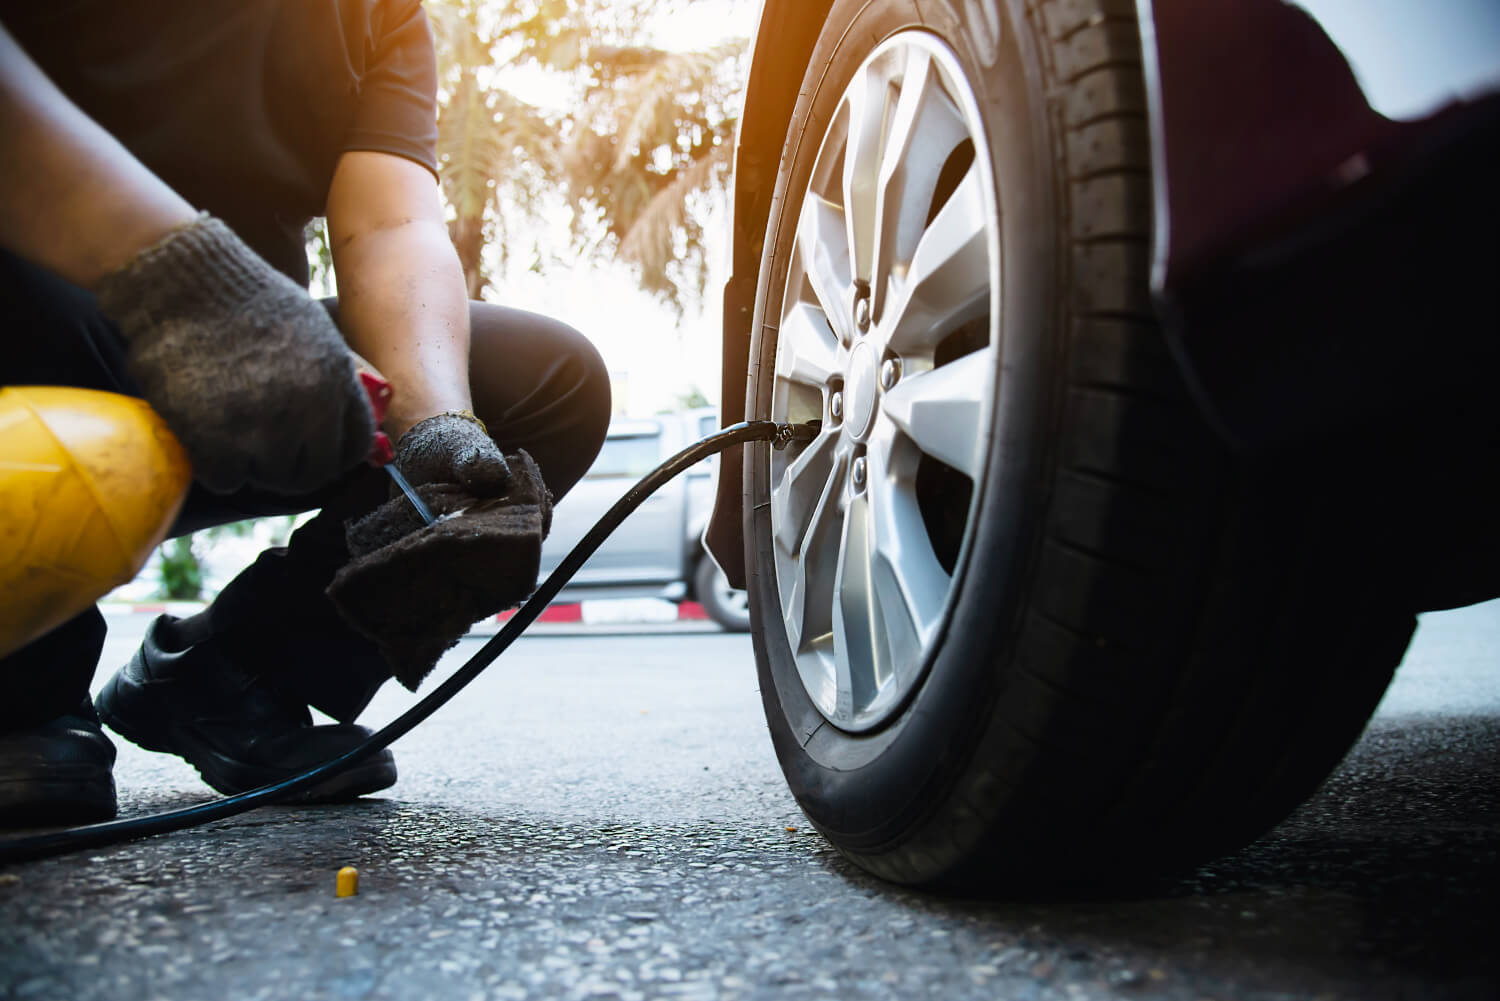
x=867, y=791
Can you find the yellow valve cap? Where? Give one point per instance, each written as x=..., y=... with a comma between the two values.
x=90, y=484
x=347, y=883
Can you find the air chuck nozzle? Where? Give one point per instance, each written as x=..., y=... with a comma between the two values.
x=788, y=433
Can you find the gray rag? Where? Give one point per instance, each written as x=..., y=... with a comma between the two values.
x=415, y=589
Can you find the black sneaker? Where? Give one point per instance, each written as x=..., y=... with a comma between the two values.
x=57, y=773
x=232, y=727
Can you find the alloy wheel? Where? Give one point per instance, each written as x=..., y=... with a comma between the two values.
x=888, y=335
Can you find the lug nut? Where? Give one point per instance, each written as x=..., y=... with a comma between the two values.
x=890, y=373
x=862, y=313
x=836, y=406
x=859, y=473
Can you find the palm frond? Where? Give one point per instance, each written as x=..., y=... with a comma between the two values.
x=651, y=129
x=668, y=88
x=490, y=142
x=652, y=242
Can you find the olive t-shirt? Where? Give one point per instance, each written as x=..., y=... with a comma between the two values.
x=244, y=106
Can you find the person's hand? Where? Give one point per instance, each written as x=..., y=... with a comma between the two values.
x=246, y=368
x=453, y=448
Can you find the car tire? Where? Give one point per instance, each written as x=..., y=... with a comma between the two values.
x=728, y=606
x=1145, y=650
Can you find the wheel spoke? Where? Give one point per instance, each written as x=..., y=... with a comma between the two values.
x=809, y=598
x=942, y=410
x=803, y=485
x=925, y=129
x=857, y=651
x=824, y=258
x=868, y=97
x=949, y=280
x=806, y=347
x=910, y=584
x=894, y=171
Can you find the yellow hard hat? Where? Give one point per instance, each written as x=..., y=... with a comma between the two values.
x=90, y=483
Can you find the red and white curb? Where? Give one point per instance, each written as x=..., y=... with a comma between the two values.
x=604, y=612
x=619, y=611
x=179, y=609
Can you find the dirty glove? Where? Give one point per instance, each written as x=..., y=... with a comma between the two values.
x=246, y=368
x=454, y=448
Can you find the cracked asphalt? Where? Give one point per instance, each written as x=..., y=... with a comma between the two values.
x=601, y=816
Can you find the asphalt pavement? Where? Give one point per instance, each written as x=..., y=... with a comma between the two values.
x=601, y=816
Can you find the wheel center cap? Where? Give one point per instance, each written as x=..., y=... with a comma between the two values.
x=859, y=389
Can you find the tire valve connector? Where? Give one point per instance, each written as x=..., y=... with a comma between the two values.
x=788, y=433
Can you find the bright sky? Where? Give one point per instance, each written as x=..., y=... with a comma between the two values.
x=707, y=21
x=1411, y=59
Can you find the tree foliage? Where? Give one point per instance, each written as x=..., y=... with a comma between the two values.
x=493, y=149
x=633, y=137
x=656, y=130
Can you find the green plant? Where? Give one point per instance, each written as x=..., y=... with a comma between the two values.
x=181, y=574
x=692, y=399
x=182, y=557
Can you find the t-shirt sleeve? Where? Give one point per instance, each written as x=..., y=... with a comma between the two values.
x=397, y=105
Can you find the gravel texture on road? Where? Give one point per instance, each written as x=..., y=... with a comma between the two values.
x=602, y=817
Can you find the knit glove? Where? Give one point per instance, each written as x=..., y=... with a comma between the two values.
x=245, y=367
x=453, y=448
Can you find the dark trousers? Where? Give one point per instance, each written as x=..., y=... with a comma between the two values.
x=537, y=383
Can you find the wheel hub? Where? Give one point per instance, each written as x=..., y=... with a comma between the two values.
x=861, y=400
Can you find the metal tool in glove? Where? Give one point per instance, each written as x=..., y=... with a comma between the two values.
x=382, y=454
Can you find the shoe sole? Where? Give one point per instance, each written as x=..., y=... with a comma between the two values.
x=120, y=699
x=58, y=794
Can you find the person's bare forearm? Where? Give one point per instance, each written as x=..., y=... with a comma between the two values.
x=72, y=199
x=403, y=306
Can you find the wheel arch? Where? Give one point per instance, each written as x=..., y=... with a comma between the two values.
x=770, y=98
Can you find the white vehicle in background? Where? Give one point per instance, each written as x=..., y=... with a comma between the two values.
x=658, y=551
